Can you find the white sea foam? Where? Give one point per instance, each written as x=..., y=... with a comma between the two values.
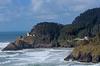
x=5, y=62
x=9, y=55
x=3, y=44
x=39, y=57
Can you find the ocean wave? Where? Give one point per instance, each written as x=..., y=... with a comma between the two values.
x=4, y=62
x=39, y=57
x=3, y=44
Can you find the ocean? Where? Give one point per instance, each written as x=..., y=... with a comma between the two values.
x=34, y=57
x=10, y=36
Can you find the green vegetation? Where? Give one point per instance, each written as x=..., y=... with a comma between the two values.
x=90, y=20
x=87, y=24
x=47, y=33
x=88, y=51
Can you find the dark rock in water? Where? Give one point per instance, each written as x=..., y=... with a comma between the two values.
x=86, y=53
x=96, y=59
x=20, y=44
x=85, y=58
x=69, y=57
x=80, y=58
x=11, y=46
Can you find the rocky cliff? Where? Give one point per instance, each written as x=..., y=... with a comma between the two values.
x=89, y=25
x=87, y=51
x=42, y=35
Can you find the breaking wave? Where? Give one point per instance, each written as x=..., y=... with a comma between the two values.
x=3, y=44
x=38, y=57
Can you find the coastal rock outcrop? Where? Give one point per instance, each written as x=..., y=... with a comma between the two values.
x=20, y=43
x=42, y=35
x=86, y=24
x=88, y=52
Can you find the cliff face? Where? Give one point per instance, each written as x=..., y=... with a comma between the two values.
x=89, y=50
x=46, y=33
x=86, y=24
x=21, y=43
x=42, y=35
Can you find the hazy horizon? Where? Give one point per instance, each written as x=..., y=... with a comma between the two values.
x=21, y=15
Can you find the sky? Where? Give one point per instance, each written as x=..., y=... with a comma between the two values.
x=21, y=15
